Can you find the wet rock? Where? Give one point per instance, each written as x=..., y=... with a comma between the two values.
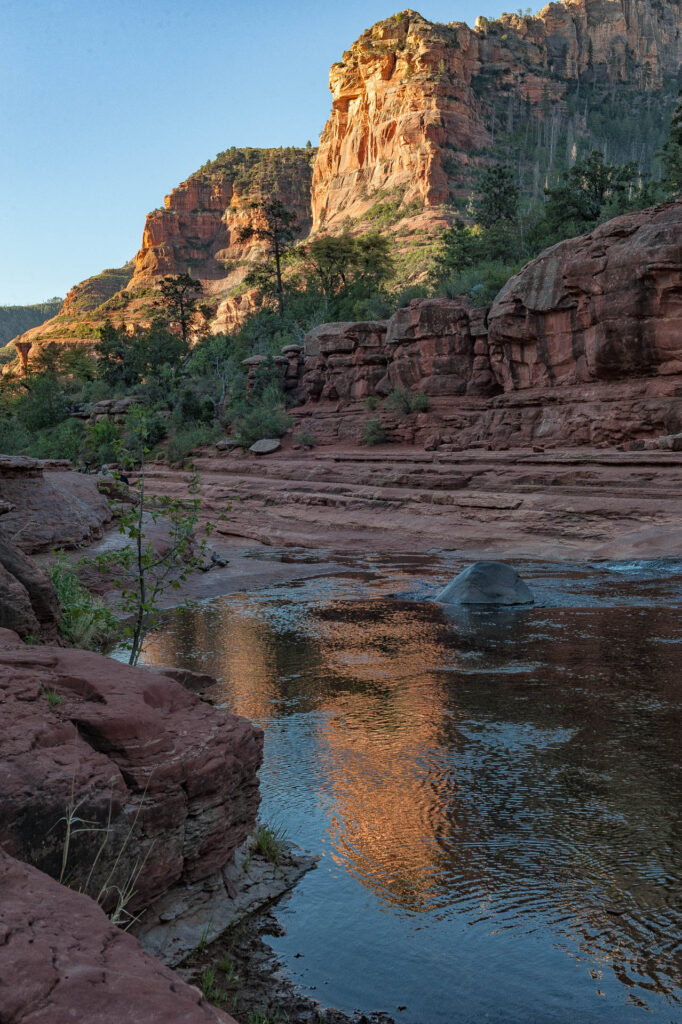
x=63, y=961
x=487, y=583
x=265, y=446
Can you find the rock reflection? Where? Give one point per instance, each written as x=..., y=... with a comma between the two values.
x=521, y=769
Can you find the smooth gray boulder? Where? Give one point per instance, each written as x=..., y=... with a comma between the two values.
x=265, y=446
x=487, y=583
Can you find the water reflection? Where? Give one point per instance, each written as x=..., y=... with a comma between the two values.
x=515, y=773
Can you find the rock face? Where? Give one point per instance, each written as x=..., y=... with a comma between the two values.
x=415, y=104
x=604, y=306
x=51, y=505
x=28, y=602
x=168, y=781
x=63, y=960
x=583, y=346
x=199, y=227
x=487, y=583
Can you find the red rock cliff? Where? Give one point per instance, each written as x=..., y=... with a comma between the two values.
x=415, y=103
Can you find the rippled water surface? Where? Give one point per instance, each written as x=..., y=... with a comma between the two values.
x=495, y=797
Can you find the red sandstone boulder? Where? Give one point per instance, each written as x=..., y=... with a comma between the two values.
x=167, y=781
x=62, y=960
x=28, y=601
x=604, y=306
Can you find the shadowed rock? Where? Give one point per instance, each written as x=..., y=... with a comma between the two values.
x=487, y=583
x=265, y=446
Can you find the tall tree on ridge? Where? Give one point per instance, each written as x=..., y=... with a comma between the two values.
x=276, y=226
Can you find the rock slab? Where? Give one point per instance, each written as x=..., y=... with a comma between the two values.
x=487, y=583
x=62, y=960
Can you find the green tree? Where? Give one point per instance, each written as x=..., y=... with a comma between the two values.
x=672, y=154
x=179, y=302
x=587, y=189
x=339, y=263
x=147, y=572
x=274, y=225
x=499, y=196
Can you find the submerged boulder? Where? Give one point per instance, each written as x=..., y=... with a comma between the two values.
x=487, y=583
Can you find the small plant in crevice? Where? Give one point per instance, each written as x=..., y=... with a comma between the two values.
x=402, y=402
x=51, y=696
x=373, y=433
x=371, y=402
x=269, y=842
x=210, y=988
x=304, y=438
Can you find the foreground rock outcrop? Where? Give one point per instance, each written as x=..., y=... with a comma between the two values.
x=63, y=961
x=167, y=782
x=28, y=601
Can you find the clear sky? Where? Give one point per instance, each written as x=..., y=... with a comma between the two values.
x=106, y=105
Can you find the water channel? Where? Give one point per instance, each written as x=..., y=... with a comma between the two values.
x=495, y=796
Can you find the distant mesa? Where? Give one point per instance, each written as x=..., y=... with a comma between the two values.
x=493, y=583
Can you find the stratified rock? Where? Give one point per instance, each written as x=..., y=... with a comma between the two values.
x=28, y=601
x=265, y=446
x=602, y=307
x=487, y=583
x=62, y=960
x=172, y=778
x=53, y=506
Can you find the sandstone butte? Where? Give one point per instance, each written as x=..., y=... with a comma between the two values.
x=415, y=111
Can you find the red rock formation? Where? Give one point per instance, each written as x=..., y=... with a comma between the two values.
x=51, y=505
x=583, y=346
x=28, y=602
x=63, y=961
x=171, y=778
x=415, y=102
x=604, y=306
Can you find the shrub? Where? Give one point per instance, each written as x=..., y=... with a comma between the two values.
x=305, y=438
x=269, y=842
x=261, y=421
x=100, y=441
x=419, y=401
x=373, y=433
x=61, y=442
x=371, y=402
x=13, y=436
x=85, y=620
x=399, y=402
x=185, y=440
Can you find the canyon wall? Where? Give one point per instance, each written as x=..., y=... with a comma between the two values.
x=417, y=109
x=417, y=106
x=584, y=345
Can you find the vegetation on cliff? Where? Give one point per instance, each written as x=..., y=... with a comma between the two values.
x=15, y=320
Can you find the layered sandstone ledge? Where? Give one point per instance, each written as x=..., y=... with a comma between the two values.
x=582, y=346
x=130, y=788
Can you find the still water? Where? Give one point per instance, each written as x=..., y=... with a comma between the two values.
x=495, y=796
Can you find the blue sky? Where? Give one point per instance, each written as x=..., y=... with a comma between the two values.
x=105, y=105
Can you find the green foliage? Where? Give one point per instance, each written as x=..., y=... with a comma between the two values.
x=44, y=404
x=141, y=573
x=276, y=227
x=210, y=987
x=178, y=304
x=16, y=320
x=419, y=401
x=373, y=433
x=101, y=440
x=346, y=268
x=53, y=698
x=589, y=189
x=402, y=402
x=672, y=154
x=269, y=842
x=124, y=360
x=499, y=196
x=304, y=438
x=86, y=622
x=63, y=441
x=190, y=436
x=371, y=402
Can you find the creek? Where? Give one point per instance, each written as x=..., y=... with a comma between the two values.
x=494, y=795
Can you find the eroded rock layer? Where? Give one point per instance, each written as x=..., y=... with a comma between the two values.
x=583, y=346
x=415, y=105
x=166, y=782
x=63, y=961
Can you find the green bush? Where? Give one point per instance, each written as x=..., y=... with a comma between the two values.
x=100, y=442
x=63, y=441
x=305, y=438
x=398, y=402
x=261, y=421
x=373, y=433
x=86, y=622
x=193, y=435
x=13, y=436
x=419, y=401
x=371, y=402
